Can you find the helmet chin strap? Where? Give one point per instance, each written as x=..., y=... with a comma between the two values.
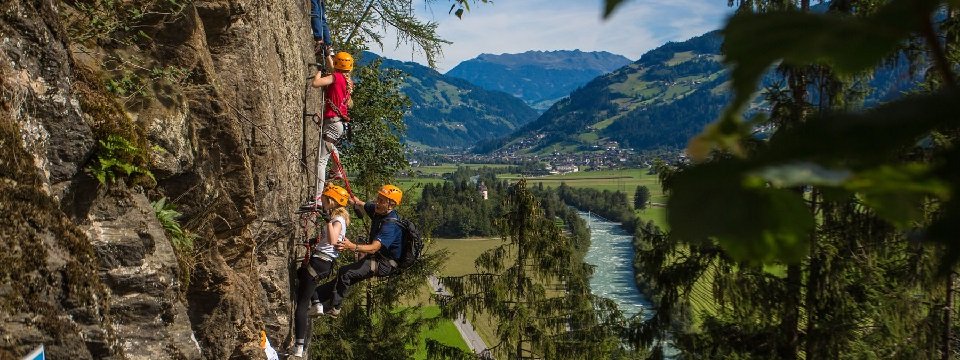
x=323, y=206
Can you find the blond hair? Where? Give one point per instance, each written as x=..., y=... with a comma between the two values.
x=342, y=212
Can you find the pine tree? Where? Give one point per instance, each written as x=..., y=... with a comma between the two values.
x=640, y=197
x=512, y=286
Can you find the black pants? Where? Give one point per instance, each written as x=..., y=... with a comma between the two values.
x=337, y=289
x=307, y=289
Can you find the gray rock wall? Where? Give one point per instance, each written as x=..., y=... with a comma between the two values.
x=225, y=150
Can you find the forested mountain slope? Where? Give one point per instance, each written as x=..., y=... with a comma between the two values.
x=451, y=112
x=627, y=104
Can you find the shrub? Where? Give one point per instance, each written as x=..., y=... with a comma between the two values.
x=182, y=240
x=118, y=158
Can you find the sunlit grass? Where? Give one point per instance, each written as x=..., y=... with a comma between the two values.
x=450, y=168
x=446, y=333
x=625, y=180
x=413, y=187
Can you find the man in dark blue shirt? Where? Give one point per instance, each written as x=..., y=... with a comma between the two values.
x=378, y=258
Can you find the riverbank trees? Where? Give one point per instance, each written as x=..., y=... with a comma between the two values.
x=612, y=205
x=456, y=208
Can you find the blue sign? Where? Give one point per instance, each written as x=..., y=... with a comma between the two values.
x=37, y=354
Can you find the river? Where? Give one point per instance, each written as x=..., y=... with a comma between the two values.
x=611, y=252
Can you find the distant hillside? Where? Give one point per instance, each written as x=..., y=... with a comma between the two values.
x=451, y=112
x=540, y=78
x=634, y=105
x=659, y=101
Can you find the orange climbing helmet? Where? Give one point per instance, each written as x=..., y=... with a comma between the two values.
x=391, y=192
x=343, y=61
x=337, y=193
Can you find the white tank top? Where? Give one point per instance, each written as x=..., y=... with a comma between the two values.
x=324, y=245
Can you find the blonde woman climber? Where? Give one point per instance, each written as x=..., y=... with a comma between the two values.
x=323, y=255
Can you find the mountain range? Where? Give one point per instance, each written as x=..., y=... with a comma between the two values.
x=451, y=112
x=659, y=102
x=540, y=78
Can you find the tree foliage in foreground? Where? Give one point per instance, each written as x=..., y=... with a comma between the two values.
x=374, y=153
x=847, y=153
x=835, y=237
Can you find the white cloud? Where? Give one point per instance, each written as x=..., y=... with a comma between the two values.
x=514, y=26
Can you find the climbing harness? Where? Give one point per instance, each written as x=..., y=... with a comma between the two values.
x=311, y=219
x=347, y=128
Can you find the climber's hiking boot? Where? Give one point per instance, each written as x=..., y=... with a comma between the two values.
x=333, y=312
x=321, y=49
x=316, y=309
x=297, y=351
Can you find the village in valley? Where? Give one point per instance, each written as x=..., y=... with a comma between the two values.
x=607, y=156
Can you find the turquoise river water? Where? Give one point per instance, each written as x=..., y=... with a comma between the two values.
x=611, y=252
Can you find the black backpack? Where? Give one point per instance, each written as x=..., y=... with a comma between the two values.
x=411, y=243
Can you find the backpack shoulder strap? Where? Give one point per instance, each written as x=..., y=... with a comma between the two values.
x=395, y=221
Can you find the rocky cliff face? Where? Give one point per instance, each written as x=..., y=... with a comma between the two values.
x=88, y=270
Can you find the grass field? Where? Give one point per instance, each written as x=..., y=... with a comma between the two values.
x=450, y=168
x=625, y=180
x=462, y=254
x=657, y=214
x=445, y=332
x=412, y=187
x=590, y=137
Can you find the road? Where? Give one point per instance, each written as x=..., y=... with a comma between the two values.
x=463, y=325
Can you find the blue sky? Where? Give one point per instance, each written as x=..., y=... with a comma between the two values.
x=514, y=26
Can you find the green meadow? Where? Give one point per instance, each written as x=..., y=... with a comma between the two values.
x=625, y=180
x=445, y=332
